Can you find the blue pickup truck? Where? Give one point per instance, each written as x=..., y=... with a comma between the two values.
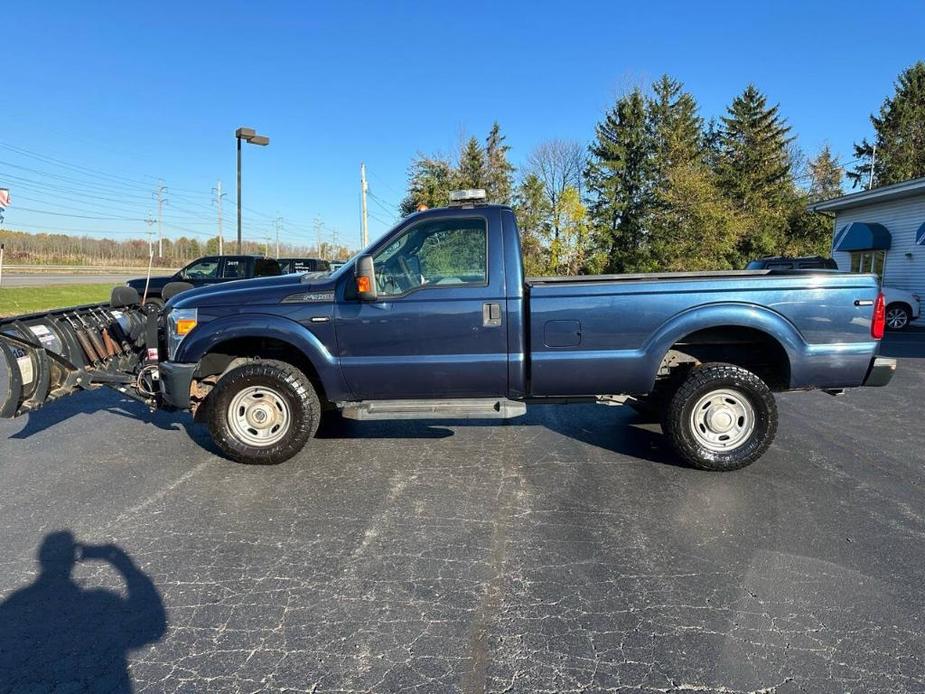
x=437, y=319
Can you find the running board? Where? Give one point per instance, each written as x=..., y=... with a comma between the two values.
x=465, y=408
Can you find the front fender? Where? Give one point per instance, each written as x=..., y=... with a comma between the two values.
x=206, y=336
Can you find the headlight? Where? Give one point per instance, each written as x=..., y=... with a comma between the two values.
x=180, y=322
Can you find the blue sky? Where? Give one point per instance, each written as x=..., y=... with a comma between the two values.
x=131, y=92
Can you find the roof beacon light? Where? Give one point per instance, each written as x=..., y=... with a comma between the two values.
x=471, y=195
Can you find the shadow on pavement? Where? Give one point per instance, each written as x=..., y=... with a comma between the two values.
x=102, y=401
x=627, y=436
x=56, y=635
x=908, y=344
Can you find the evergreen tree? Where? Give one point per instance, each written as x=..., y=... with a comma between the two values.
x=675, y=128
x=430, y=180
x=754, y=171
x=618, y=184
x=682, y=185
x=472, y=171
x=754, y=158
x=899, y=134
x=499, y=174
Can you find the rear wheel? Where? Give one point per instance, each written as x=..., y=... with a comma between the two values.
x=722, y=417
x=263, y=412
x=897, y=317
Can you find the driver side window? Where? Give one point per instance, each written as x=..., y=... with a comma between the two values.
x=204, y=269
x=438, y=253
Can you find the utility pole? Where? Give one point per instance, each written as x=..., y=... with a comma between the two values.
x=333, y=244
x=278, y=223
x=267, y=240
x=317, y=225
x=873, y=163
x=150, y=221
x=217, y=190
x=161, y=200
x=364, y=238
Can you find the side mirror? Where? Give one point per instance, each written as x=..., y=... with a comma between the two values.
x=366, y=278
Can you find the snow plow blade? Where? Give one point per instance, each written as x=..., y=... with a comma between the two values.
x=46, y=356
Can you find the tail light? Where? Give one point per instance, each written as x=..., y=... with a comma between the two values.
x=878, y=323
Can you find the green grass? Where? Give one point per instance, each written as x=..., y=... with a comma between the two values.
x=17, y=300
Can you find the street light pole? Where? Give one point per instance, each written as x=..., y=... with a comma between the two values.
x=248, y=135
x=238, y=138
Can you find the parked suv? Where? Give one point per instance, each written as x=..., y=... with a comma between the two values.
x=902, y=307
x=211, y=269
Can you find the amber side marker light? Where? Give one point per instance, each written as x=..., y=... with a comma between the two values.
x=185, y=325
x=363, y=284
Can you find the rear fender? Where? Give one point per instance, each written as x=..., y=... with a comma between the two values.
x=722, y=315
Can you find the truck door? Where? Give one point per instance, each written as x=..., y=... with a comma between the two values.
x=437, y=328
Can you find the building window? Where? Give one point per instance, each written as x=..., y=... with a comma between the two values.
x=868, y=261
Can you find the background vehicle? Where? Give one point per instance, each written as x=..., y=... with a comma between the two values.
x=290, y=265
x=780, y=262
x=208, y=270
x=902, y=307
x=436, y=319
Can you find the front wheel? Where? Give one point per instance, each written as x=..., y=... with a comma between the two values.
x=263, y=412
x=722, y=417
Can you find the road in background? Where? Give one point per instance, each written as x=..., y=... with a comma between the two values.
x=40, y=276
x=562, y=551
x=43, y=280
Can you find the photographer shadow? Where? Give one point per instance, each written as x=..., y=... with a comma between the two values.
x=57, y=635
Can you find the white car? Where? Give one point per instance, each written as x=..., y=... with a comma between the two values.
x=901, y=307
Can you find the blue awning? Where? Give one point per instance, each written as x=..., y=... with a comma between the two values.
x=863, y=236
x=920, y=235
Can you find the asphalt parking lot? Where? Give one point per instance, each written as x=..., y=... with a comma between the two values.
x=565, y=551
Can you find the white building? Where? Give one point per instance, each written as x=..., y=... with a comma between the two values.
x=883, y=231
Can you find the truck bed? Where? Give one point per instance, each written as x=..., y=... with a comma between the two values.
x=609, y=333
x=665, y=276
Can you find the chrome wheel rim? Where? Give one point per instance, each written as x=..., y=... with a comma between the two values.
x=896, y=319
x=259, y=416
x=722, y=420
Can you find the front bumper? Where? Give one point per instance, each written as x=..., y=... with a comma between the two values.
x=881, y=371
x=175, y=378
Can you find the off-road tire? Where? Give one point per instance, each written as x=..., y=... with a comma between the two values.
x=701, y=381
x=290, y=384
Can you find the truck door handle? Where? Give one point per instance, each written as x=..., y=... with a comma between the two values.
x=491, y=315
